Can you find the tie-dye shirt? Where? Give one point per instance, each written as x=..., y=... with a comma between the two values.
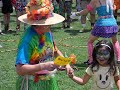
x=34, y=48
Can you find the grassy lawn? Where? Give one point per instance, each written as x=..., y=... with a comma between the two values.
x=68, y=40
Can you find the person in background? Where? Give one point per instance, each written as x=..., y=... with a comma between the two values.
x=83, y=18
x=65, y=8
x=103, y=69
x=37, y=49
x=105, y=26
x=1, y=4
x=7, y=8
x=1, y=33
x=78, y=3
x=56, y=6
x=20, y=10
x=117, y=5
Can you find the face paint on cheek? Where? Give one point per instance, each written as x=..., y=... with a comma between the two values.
x=103, y=55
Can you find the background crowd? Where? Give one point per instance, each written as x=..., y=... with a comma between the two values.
x=62, y=7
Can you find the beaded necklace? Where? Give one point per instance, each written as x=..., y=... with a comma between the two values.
x=45, y=42
x=42, y=41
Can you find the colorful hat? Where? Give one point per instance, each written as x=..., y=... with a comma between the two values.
x=40, y=12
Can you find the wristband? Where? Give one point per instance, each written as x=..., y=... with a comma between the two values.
x=41, y=65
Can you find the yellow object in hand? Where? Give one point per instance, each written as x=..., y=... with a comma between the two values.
x=61, y=61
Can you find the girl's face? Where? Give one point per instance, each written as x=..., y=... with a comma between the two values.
x=102, y=56
x=42, y=29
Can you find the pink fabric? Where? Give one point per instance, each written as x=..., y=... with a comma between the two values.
x=117, y=49
x=90, y=51
x=42, y=72
x=13, y=2
x=89, y=7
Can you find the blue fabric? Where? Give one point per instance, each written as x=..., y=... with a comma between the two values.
x=106, y=22
x=105, y=27
x=23, y=49
x=29, y=50
x=101, y=11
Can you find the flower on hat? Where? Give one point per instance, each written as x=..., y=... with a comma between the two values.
x=39, y=9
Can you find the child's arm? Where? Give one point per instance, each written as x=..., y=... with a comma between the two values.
x=79, y=80
x=90, y=7
x=58, y=51
x=117, y=81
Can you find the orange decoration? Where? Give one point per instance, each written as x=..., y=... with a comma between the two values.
x=73, y=59
x=45, y=8
x=34, y=12
x=33, y=2
x=47, y=2
x=44, y=11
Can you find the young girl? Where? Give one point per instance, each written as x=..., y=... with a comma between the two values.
x=20, y=10
x=103, y=69
x=105, y=25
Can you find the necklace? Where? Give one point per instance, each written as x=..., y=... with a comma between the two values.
x=42, y=41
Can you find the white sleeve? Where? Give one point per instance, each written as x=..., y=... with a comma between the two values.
x=89, y=71
x=117, y=72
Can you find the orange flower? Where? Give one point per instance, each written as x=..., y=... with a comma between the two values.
x=44, y=11
x=73, y=59
x=37, y=14
x=34, y=12
x=47, y=2
x=33, y=2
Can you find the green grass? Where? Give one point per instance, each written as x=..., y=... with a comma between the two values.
x=7, y=58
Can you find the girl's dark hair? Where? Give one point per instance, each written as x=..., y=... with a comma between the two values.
x=111, y=62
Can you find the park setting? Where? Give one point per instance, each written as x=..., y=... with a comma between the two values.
x=68, y=40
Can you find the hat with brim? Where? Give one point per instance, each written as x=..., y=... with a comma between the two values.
x=54, y=19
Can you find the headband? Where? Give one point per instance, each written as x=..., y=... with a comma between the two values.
x=105, y=45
